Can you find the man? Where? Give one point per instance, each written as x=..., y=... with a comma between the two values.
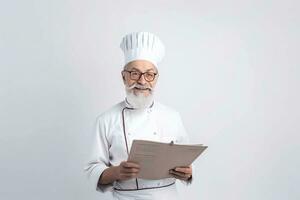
x=137, y=117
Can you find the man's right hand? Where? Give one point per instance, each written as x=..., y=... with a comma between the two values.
x=127, y=170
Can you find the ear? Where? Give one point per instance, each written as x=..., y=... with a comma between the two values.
x=123, y=76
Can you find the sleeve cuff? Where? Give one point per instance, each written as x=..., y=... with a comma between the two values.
x=94, y=177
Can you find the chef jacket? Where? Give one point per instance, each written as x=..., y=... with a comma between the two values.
x=155, y=123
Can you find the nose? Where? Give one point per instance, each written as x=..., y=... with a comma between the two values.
x=142, y=80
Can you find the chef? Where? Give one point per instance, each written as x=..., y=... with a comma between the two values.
x=139, y=116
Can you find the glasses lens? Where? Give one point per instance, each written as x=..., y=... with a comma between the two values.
x=135, y=75
x=149, y=76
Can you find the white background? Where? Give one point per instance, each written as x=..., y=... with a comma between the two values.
x=231, y=69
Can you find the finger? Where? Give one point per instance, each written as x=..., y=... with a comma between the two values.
x=130, y=165
x=181, y=174
x=129, y=170
x=129, y=174
x=179, y=177
x=177, y=173
x=186, y=170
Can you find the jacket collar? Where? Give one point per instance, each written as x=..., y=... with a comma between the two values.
x=128, y=105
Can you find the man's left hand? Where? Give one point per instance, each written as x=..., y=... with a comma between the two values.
x=182, y=173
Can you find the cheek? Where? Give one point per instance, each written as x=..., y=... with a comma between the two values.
x=152, y=85
x=129, y=82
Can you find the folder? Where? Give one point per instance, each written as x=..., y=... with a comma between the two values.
x=157, y=158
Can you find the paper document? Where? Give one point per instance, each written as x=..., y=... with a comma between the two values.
x=156, y=158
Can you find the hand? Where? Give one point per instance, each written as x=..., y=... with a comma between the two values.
x=182, y=173
x=127, y=170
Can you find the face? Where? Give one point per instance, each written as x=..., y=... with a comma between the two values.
x=140, y=85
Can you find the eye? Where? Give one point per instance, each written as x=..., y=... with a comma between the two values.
x=150, y=75
x=135, y=73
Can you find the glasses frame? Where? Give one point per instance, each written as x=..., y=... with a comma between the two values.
x=141, y=74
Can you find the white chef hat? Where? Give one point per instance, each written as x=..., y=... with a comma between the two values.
x=142, y=46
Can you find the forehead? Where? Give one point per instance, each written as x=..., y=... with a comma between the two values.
x=141, y=65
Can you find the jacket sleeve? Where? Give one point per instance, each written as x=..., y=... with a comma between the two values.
x=99, y=157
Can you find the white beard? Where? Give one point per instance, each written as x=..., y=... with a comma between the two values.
x=139, y=101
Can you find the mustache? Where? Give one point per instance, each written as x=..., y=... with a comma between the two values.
x=139, y=86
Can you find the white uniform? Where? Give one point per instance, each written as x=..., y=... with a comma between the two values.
x=156, y=123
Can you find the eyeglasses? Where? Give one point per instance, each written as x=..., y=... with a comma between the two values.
x=136, y=75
